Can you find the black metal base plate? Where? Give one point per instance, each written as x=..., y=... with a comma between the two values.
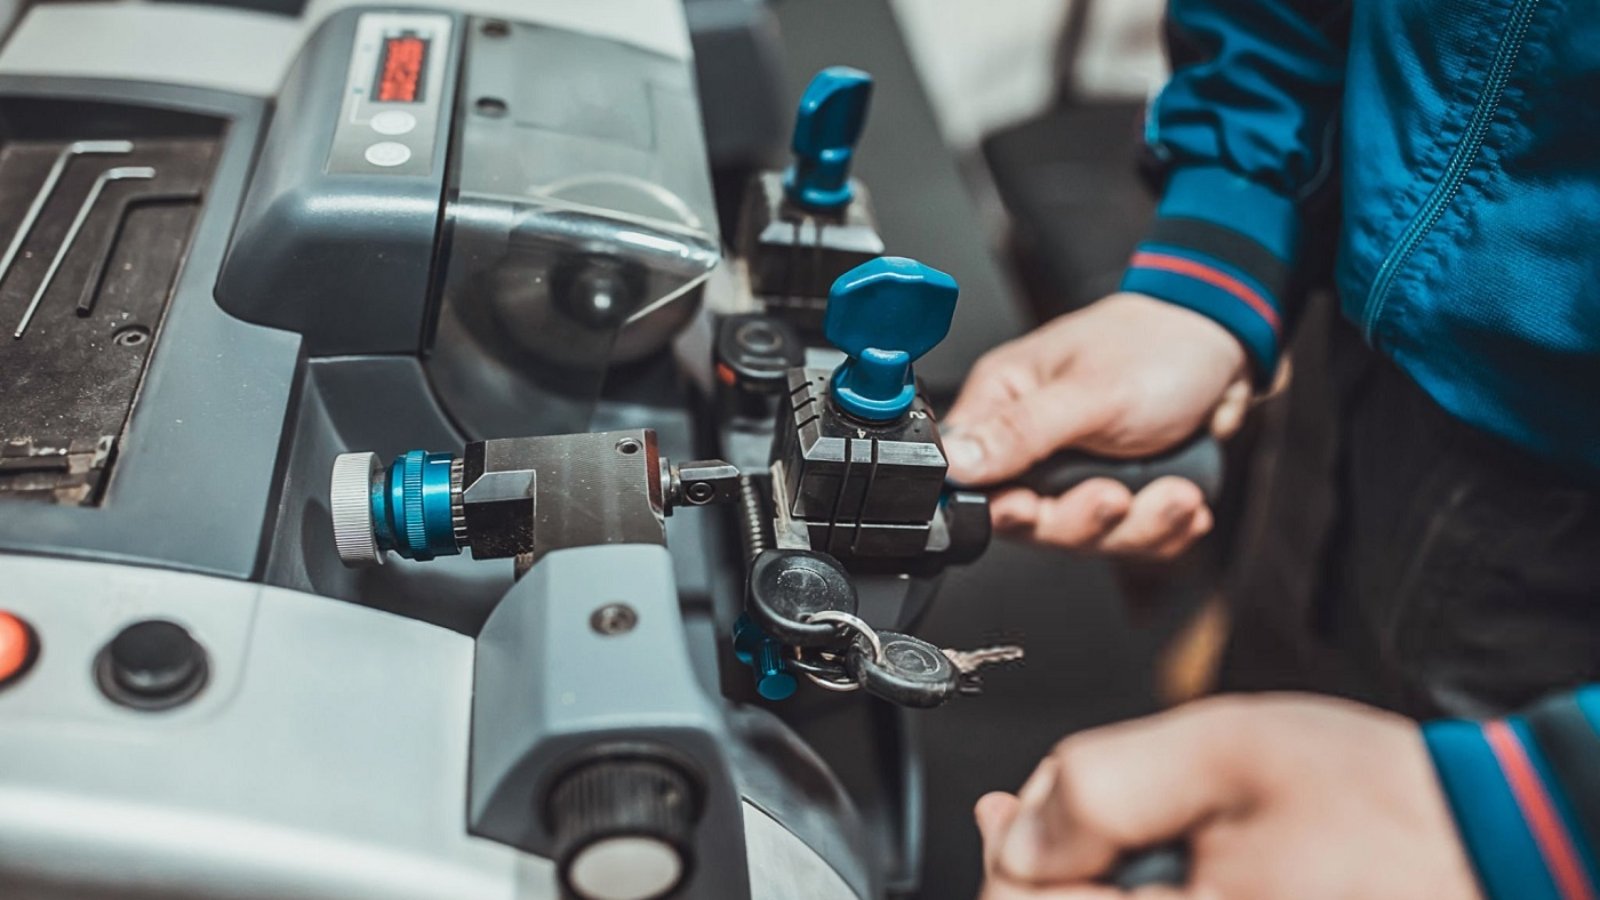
x=69, y=382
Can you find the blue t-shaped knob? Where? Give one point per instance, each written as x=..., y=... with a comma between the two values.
x=832, y=112
x=885, y=314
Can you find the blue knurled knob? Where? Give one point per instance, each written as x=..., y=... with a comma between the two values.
x=412, y=506
x=885, y=314
x=832, y=112
x=763, y=653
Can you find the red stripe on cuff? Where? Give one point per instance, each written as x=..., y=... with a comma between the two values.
x=1163, y=262
x=1549, y=832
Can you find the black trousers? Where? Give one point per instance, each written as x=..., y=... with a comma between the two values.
x=1394, y=555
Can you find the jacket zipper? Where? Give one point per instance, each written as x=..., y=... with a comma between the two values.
x=1461, y=163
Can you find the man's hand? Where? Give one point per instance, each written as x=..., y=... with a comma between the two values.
x=1128, y=376
x=1277, y=796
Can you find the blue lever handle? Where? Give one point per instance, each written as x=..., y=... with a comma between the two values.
x=832, y=112
x=885, y=314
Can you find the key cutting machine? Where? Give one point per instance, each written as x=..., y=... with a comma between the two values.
x=403, y=493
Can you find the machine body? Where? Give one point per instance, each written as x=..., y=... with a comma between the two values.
x=403, y=495
x=472, y=226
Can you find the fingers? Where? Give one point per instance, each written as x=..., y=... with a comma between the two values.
x=1162, y=521
x=994, y=813
x=1228, y=417
x=1010, y=436
x=1076, y=520
x=1128, y=786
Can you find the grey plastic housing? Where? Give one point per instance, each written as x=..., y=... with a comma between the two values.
x=343, y=258
x=549, y=686
x=326, y=759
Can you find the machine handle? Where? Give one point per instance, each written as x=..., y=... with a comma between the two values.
x=1166, y=865
x=1199, y=459
x=833, y=110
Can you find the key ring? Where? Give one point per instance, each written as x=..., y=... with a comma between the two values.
x=825, y=664
x=845, y=621
x=814, y=673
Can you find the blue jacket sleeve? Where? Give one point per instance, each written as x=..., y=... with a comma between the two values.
x=1243, y=132
x=1526, y=796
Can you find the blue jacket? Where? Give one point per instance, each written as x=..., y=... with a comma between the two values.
x=1526, y=796
x=1460, y=141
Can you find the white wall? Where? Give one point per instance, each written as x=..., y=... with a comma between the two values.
x=990, y=63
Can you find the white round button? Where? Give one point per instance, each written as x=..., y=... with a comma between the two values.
x=388, y=153
x=393, y=121
x=626, y=867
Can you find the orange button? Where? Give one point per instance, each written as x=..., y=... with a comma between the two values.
x=16, y=647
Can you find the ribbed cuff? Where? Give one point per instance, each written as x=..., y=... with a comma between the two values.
x=1223, y=246
x=1513, y=819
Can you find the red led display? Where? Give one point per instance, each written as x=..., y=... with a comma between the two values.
x=400, y=70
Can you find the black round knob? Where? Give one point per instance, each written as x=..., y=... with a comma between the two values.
x=153, y=664
x=623, y=828
x=758, y=351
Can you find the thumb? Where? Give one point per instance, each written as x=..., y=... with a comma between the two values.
x=1003, y=441
x=994, y=812
x=1125, y=788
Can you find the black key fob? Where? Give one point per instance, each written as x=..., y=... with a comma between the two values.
x=787, y=587
x=911, y=672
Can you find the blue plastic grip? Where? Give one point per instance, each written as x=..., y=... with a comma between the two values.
x=885, y=314
x=411, y=506
x=832, y=112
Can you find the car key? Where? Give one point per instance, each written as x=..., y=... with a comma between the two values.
x=971, y=663
x=787, y=588
x=909, y=672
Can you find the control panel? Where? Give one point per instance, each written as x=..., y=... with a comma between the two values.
x=394, y=93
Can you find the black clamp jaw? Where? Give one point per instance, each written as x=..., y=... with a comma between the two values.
x=859, y=471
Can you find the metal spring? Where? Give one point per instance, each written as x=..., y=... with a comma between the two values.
x=753, y=522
